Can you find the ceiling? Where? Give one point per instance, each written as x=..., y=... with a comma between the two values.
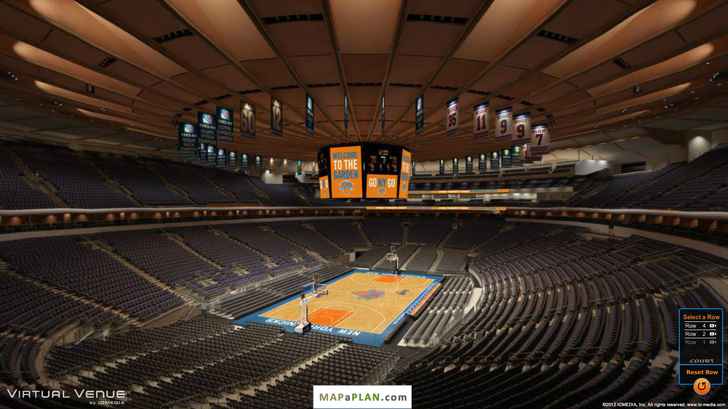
x=121, y=73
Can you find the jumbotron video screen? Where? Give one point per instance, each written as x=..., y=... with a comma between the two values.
x=364, y=171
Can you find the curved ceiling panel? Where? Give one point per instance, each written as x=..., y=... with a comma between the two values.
x=101, y=33
x=661, y=16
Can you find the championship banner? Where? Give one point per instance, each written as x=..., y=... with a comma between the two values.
x=276, y=117
x=420, y=114
x=247, y=121
x=221, y=158
x=346, y=172
x=224, y=124
x=211, y=155
x=186, y=136
x=480, y=119
x=540, y=141
x=506, y=158
x=494, y=161
x=206, y=127
x=504, y=123
x=381, y=186
x=451, y=119
x=310, y=124
x=187, y=141
x=405, y=174
x=324, y=191
x=232, y=161
x=517, y=156
x=523, y=128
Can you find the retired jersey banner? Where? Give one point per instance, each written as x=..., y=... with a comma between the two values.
x=504, y=123
x=346, y=172
x=540, y=141
x=324, y=191
x=451, y=119
x=206, y=127
x=405, y=174
x=420, y=114
x=310, y=124
x=224, y=124
x=381, y=186
x=523, y=128
x=276, y=116
x=480, y=119
x=247, y=121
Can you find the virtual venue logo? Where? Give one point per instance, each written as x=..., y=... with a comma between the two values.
x=95, y=397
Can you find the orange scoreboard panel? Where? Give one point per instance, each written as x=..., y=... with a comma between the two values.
x=405, y=174
x=382, y=186
x=324, y=187
x=346, y=172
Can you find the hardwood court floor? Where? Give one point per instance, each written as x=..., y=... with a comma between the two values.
x=361, y=301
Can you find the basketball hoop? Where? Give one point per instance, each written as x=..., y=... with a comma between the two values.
x=317, y=290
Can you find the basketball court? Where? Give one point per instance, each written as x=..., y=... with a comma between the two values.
x=365, y=305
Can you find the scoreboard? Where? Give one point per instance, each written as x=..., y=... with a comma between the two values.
x=364, y=171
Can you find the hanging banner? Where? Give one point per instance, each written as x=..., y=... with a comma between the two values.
x=506, y=158
x=382, y=114
x=206, y=127
x=405, y=174
x=276, y=117
x=186, y=136
x=247, y=121
x=420, y=114
x=480, y=119
x=346, y=113
x=517, y=153
x=221, y=158
x=224, y=124
x=451, y=119
x=310, y=124
x=211, y=155
x=232, y=161
x=187, y=141
x=540, y=141
x=494, y=161
x=523, y=128
x=504, y=123
x=324, y=191
x=346, y=172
